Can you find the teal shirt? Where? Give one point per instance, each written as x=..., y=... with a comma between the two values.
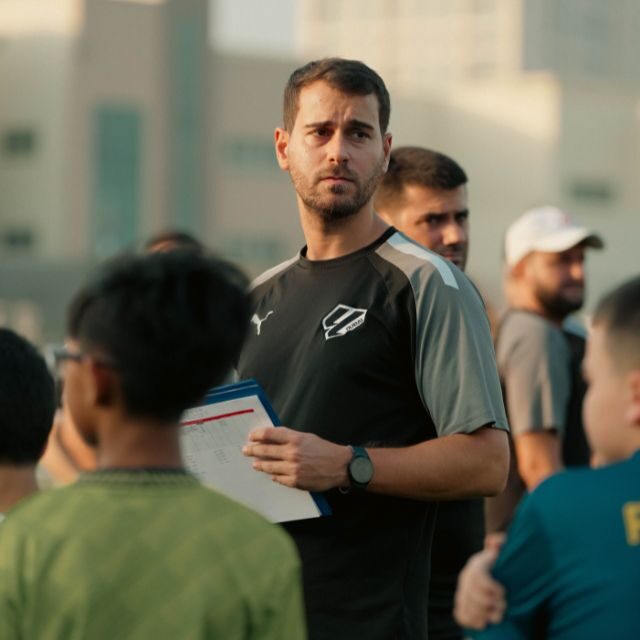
x=571, y=563
x=145, y=556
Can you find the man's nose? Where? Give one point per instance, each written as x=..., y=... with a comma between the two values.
x=576, y=270
x=337, y=149
x=453, y=233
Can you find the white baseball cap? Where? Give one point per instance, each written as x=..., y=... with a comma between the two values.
x=547, y=229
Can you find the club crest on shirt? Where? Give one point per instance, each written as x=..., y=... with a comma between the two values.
x=341, y=320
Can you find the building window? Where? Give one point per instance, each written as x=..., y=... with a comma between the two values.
x=19, y=142
x=17, y=239
x=592, y=191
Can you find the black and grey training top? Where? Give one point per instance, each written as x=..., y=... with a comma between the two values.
x=387, y=346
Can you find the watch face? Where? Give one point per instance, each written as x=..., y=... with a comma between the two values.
x=361, y=470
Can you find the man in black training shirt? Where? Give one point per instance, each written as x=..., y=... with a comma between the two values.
x=377, y=354
x=424, y=195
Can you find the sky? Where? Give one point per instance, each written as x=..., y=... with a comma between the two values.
x=256, y=26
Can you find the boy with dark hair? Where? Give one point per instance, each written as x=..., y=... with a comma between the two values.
x=139, y=549
x=27, y=405
x=571, y=563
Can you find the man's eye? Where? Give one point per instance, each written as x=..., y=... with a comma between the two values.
x=462, y=216
x=360, y=134
x=432, y=221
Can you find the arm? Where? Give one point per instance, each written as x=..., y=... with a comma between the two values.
x=450, y=467
x=539, y=456
x=524, y=569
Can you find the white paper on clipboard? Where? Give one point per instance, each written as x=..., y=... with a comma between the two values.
x=212, y=436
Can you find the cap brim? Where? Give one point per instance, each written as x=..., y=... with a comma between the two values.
x=568, y=238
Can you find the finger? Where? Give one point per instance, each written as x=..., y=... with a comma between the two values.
x=287, y=481
x=273, y=467
x=264, y=451
x=276, y=435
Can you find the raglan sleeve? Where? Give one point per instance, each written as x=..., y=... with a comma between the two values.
x=455, y=364
x=534, y=360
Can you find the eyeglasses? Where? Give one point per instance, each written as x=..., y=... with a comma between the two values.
x=63, y=354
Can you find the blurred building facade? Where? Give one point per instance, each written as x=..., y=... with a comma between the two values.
x=118, y=119
x=539, y=100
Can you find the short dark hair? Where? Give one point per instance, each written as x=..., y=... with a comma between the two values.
x=619, y=313
x=177, y=240
x=27, y=401
x=417, y=166
x=173, y=323
x=351, y=77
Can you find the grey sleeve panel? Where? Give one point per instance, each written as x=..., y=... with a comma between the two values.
x=274, y=271
x=534, y=360
x=455, y=364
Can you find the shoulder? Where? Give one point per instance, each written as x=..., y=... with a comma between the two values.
x=233, y=520
x=532, y=329
x=273, y=273
x=418, y=264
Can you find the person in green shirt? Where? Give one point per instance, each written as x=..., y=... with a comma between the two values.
x=139, y=549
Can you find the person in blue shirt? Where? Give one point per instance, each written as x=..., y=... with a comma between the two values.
x=570, y=566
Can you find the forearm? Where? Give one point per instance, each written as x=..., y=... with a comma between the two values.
x=447, y=468
x=539, y=456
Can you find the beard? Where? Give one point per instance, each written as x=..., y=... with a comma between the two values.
x=338, y=201
x=557, y=304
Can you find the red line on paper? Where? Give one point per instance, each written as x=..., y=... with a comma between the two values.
x=220, y=417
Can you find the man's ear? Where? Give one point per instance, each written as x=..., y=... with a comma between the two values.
x=104, y=385
x=281, y=137
x=387, y=139
x=633, y=410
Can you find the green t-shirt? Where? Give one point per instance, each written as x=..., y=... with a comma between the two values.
x=145, y=555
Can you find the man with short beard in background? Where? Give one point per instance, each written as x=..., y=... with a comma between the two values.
x=539, y=354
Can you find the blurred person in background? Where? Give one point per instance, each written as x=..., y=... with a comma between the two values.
x=27, y=405
x=377, y=355
x=570, y=566
x=539, y=354
x=138, y=548
x=424, y=195
x=170, y=240
x=67, y=454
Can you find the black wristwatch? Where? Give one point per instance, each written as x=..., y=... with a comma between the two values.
x=360, y=469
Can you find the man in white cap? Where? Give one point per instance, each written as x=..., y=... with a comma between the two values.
x=539, y=355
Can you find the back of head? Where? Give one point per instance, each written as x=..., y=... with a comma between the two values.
x=351, y=77
x=27, y=401
x=171, y=240
x=417, y=166
x=171, y=323
x=619, y=314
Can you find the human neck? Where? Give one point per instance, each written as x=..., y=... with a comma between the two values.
x=128, y=443
x=524, y=300
x=16, y=482
x=328, y=239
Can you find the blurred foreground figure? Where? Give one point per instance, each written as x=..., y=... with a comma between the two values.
x=139, y=549
x=424, y=195
x=67, y=455
x=570, y=566
x=27, y=404
x=539, y=354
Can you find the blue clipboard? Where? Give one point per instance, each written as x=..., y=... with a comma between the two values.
x=251, y=387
